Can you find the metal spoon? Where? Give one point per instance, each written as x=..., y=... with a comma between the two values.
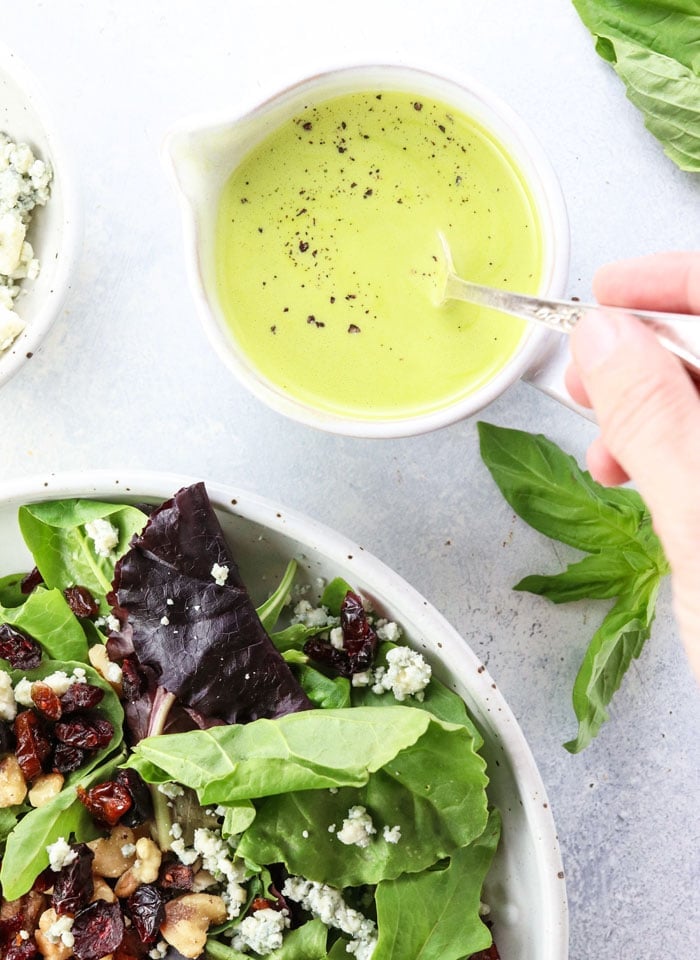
x=679, y=333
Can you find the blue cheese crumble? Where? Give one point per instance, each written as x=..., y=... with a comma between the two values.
x=328, y=905
x=24, y=185
x=220, y=574
x=60, y=855
x=358, y=828
x=262, y=931
x=104, y=536
x=218, y=859
x=406, y=674
x=8, y=706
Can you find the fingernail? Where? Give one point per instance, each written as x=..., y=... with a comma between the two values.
x=594, y=339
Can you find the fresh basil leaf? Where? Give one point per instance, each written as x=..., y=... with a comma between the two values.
x=65, y=554
x=270, y=611
x=547, y=488
x=619, y=639
x=652, y=45
x=626, y=558
x=435, y=817
x=598, y=576
x=25, y=853
x=47, y=618
x=10, y=590
x=434, y=915
x=300, y=751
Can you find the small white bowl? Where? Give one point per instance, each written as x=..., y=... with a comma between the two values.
x=525, y=887
x=55, y=229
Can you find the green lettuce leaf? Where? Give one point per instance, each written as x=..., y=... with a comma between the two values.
x=436, y=815
x=313, y=749
x=270, y=610
x=434, y=915
x=438, y=700
x=47, y=618
x=653, y=46
x=10, y=590
x=65, y=555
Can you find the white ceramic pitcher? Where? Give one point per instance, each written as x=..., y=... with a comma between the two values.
x=203, y=153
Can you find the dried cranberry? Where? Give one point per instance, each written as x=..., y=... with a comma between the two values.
x=81, y=696
x=131, y=947
x=18, y=648
x=359, y=638
x=73, y=886
x=67, y=759
x=46, y=700
x=261, y=903
x=10, y=928
x=31, y=580
x=97, y=930
x=7, y=737
x=147, y=908
x=44, y=881
x=134, y=680
x=142, y=807
x=359, y=641
x=106, y=802
x=21, y=949
x=32, y=746
x=175, y=877
x=86, y=732
x=81, y=601
x=323, y=652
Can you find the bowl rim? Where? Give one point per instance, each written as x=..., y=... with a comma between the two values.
x=132, y=485
x=537, y=342
x=32, y=336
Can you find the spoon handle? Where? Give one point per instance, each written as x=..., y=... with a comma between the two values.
x=679, y=333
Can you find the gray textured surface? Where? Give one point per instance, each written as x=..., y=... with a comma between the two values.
x=126, y=379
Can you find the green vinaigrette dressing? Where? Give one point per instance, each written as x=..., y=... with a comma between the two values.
x=328, y=258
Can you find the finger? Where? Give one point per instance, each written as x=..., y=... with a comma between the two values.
x=575, y=386
x=649, y=413
x=665, y=281
x=603, y=467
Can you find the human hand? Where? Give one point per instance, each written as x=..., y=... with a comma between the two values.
x=648, y=409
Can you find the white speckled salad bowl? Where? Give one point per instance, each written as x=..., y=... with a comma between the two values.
x=55, y=229
x=525, y=888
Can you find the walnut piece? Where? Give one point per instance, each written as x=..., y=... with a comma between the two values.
x=187, y=920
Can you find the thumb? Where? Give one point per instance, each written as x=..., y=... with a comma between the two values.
x=649, y=413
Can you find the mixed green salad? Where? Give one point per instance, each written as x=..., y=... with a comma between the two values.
x=184, y=775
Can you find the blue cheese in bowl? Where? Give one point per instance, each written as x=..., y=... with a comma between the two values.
x=24, y=184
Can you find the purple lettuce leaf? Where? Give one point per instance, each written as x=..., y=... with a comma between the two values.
x=203, y=640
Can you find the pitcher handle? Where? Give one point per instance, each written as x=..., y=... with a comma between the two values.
x=547, y=374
